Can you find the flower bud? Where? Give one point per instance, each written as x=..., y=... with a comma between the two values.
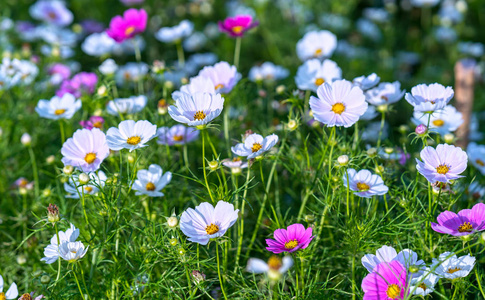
x=173, y=241
x=53, y=213
x=262, y=93
x=184, y=80
x=343, y=160
x=46, y=192
x=310, y=218
x=168, y=85
x=25, y=139
x=274, y=275
x=292, y=125
x=181, y=251
x=280, y=89
x=379, y=169
x=131, y=159
x=64, y=179
x=213, y=165
x=388, y=150
x=466, y=238
x=68, y=170
x=45, y=279
x=449, y=138
x=102, y=91
x=413, y=269
x=172, y=222
x=372, y=152
x=37, y=273
x=421, y=129
x=403, y=129
x=481, y=238
x=83, y=178
x=50, y=159
x=382, y=108
x=21, y=259
x=23, y=191
x=198, y=277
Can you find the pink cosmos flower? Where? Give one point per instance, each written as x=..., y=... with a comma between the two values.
x=86, y=150
x=388, y=281
x=292, y=239
x=466, y=222
x=81, y=83
x=93, y=122
x=237, y=26
x=133, y=22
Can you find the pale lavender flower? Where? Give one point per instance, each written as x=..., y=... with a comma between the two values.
x=385, y=93
x=442, y=164
x=313, y=73
x=196, y=110
x=177, y=135
x=52, y=12
x=86, y=149
x=429, y=98
x=366, y=82
x=130, y=135
x=223, y=76
x=255, y=145
x=365, y=184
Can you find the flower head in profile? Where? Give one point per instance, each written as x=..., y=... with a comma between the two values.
x=12, y=291
x=177, y=135
x=197, y=109
x=443, y=121
x=223, y=76
x=176, y=33
x=313, y=73
x=92, y=122
x=429, y=98
x=72, y=251
x=236, y=165
x=51, y=11
x=467, y=221
x=197, y=84
x=125, y=27
x=267, y=72
x=449, y=266
x=51, y=252
x=476, y=153
x=76, y=190
x=366, y=82
x=58, y=107
x=365, y=184
x=207, y=222
x=237, y=26
x=291, y=239
x=86, y=149
x=130, y=135
x=316, y=44
x=385, y=93
x=423, y=284
x=338, y=104
x=387, y=281
x=442, y=164
x=150, y=182
x=255, y=145
x=274, y=268
x=129, y=105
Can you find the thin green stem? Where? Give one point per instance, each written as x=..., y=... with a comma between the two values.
x=61, y=127
x=204, y=133
x=180, y=54
x=237, y=51
x=34, y=171
x=219, y=272
x=383, y=121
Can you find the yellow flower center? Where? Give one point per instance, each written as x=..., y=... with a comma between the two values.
x=465, y=227
x=442, y=169
x=274, y=262
x=319, y=81
x=338, y=108
x=453, y=270
x=211, y=229
x=130, y=30
x=423, y=286
x=318, y=52
x=2, y=296
x=150, y=186
x=97, y=124
x=199, y=115
x=291, y=244
x=480, y=162
x=236, y=159
x=256, y=147
x=59, y=111
x=219, y=86
x=237, y=29
x=363, y=186
x=393, y=291
x=438, y=123
x=88, y=189
x=134, y=140
x=178, y=138
x=90, y=158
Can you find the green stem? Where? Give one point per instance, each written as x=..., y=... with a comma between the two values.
x=61, y=127
x=180, y=54
x=383, y=120
x=332, y=144
x=241, y=224
x=34, y=171
x=203, y=166
x=58, y=259
x=237, y=51
x=348, y=192
x=219, y=272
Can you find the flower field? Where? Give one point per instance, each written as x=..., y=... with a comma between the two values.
x=237, y=149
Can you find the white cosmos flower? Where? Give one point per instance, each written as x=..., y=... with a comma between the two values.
x=108, y=67
x=385, y=93
x=316, y=44
x=74, y=188
x=131, y=72
x=267, y=72
x=150, y=182
x=313, y=73
x=429, y=98
x=366, y=82
x=12, y=291
x=365, y=184
x=177, y=135
x=424, y=284
x=197, y=109
x=175, y=33
x=206, y=222
x=223, y=76
x=449, y=266
x=255, y=145
x=443, y=121
x=130, y=105
x=98, y=44
x=130, y=135
x=476, y=155
x=197, y=84
x=274, y=268
x=408, y=258
x=58, y=107
x=51, y=252
x=72, y=251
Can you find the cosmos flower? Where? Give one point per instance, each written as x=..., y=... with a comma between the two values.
x=74, y=189
x=223, y=76
x=206, y=222
x=51, y=252
x=237, y=26
x=86, y=149
x=125, y=27
x=387, y=281
x=292, y=239
x=176, y=33
x=365, y=184
x=442, y=164
x=255, y=145
x=108, y=67
x=274, y=268
x=58, y=72
x=475, y=190
x=92, y=122
x=236, y=165
x=197, y=84
x=130, y=135
x=338, y=104
x=195, y=42
x=72, y=251
x=407, y=258
x=150, y=182
x=52, y=12
x=424, y=284
x=467, y=221
x=22, y=182
x=443, y=121
x=177, y=135
x=31, y=297
x=385, y=93
x=129, y=105
x=366, y=82
x=424, y=3
x=449, y=266
x=98, y=44
x=429, y=98
x=316, y=44
x=267, y=72
x=476, y=153
x=58, y=107
x=130, y=73
x=394, y=155
x=313, y=73
x=196, y=110
x=12, y=291
x=80, y=83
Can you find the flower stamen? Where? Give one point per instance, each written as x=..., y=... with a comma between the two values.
x=134, y=140
x=393, y=291
x=130, y=30
x=90, y=157
x=442, y=169
x=453, y=270
x=274, y=262
x=438, y=123
x=178, y=137
x=256, y=147
x=319, y=81
x=291, y=244
x=150, y=186
x=362, y=186
x=212, y=229
x=59, y=111
x=199, y=115
x=465, y=227
x=338, y=108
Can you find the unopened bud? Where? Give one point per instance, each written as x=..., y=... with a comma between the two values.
x=382, y=108
x=449, y=138
x=310, y=218
x=197, y=276
x=102, y=91
x=53, y=213
x=372, y=152
x=50, y=159
x=421, y=129
x=343, y=160
x=403, y=129
x=172, y=222
x=173, y=241
x=25, y=139
x=46, y=192
x=413, y=269
x=389, y=150
x=236, y=171
x=45, y=279
x=380, y=169
x=21, y=259
x=131, y=159
x=83, y=178
x=184, y=80
x=280, y=89
x=292, y=125
x=168, y=85
x=213, y=165
x=68, y=170
x=23, y=191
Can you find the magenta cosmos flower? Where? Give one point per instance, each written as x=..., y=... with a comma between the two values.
x=125, y=27
x=237, y=26
x=86, y=150
x=466, y=222
x=83, y=82
x=442, y=164
x=93, y=122
x=388, y=281
x=292, y=239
